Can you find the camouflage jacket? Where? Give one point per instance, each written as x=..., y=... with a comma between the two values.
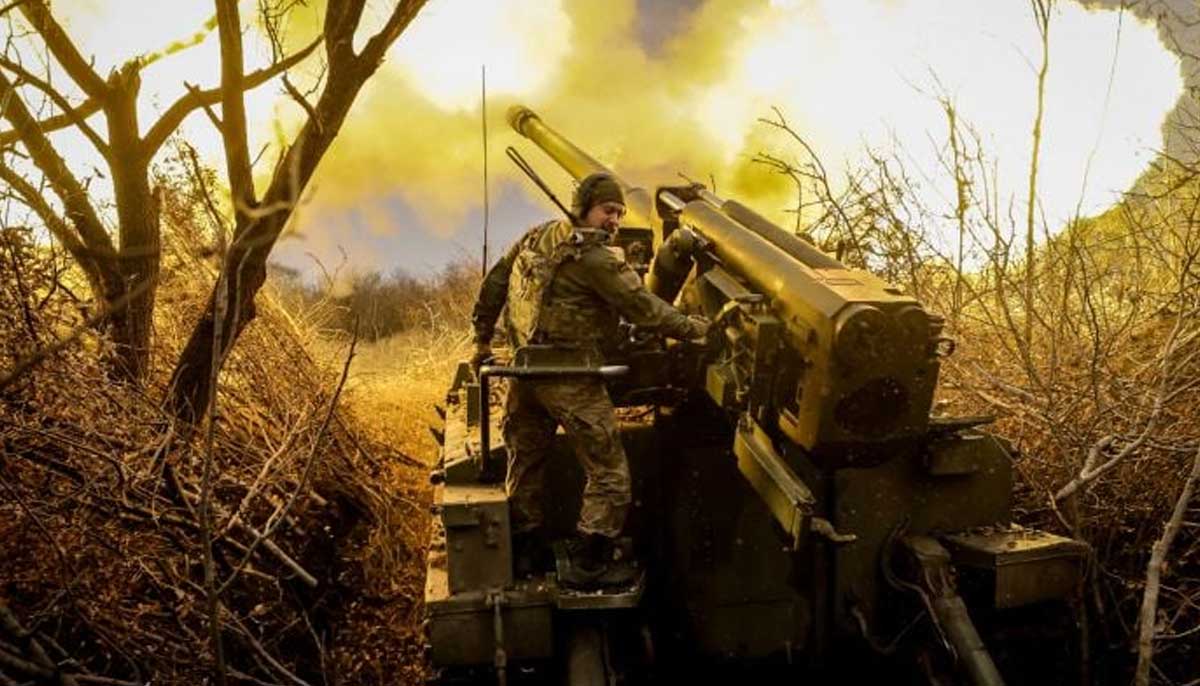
x=563, y=286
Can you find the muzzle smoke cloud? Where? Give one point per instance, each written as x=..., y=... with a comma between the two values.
x=684, y=92
x=846, y=75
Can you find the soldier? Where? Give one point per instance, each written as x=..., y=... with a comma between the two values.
x=561, y=286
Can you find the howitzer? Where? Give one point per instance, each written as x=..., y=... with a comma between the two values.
x=856, y=516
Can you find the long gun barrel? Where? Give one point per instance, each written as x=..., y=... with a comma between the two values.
x=863, y=354
x=823, y=377
x=580, y=164
x=576, y=162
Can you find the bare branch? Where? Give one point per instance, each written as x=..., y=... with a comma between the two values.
x=1158, y=557
x=68, y=188
x=208, y=110
x=233, y=106
x=213, y=602
x=375, y=49
x=70, y=112
x=10, y=7
x=1041, y=11
x=1167, y=379
x=33, y=198
x=57, y=122
x=63, y=49
x=209, y=205
x=303, y=102
x=181, y=108
x=271, y=23
x=262, y=652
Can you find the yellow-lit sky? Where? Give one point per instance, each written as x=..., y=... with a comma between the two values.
x=654, y=87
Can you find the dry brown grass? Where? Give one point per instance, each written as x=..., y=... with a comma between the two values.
x=1082, y=339
x=394, y=384
x=102, y=553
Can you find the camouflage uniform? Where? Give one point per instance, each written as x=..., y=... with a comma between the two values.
x=563, y=287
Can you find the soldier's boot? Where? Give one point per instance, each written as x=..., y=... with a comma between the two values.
x=595, y=561
x=531, y=553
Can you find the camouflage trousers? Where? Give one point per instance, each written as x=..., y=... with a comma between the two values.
x=534, y=410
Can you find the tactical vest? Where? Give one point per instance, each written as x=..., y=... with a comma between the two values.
x=531, y=315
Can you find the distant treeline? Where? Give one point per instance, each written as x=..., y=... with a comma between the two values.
x=382, y=304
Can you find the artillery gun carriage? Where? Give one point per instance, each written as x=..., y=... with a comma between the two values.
x=793, y=498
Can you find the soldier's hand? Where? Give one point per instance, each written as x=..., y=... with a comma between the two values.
x=698, y=328
x=483, y=353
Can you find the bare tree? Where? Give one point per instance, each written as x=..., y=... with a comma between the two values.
x=260, y=220
x=123, y=273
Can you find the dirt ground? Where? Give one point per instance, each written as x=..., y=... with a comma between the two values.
x=393, y=387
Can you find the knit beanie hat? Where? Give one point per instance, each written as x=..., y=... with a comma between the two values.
x=595, y=189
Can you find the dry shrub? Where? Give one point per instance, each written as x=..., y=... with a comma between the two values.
x=380, y=306
x=1089, y=355
x=397, y=379
x=99, y=509
x=394, y=384
x=1097, y=379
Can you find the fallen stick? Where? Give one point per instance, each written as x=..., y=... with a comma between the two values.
x=262, y=652
x=266, y=542
x=309, y=463
x=38, y=665
x=25, y=667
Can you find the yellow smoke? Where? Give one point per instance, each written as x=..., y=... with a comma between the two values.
x=177, y=43
x=578, y=63
x=844, y=73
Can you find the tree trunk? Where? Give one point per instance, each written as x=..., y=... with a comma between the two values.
x=245, y=267
x=138, y=217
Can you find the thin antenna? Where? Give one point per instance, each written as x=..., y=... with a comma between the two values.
x=483, y=86
x=524, y=166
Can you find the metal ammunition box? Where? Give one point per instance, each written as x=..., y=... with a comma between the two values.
x=1021, y=566
x=478, y=541
x=462, y=626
